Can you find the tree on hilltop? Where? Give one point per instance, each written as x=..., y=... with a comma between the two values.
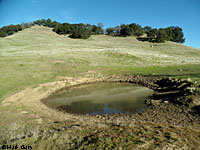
x=147, y=29
x=100, y=28
x=178, y=35
x=110, y=31
x=161, y=36
x=3, y=33
x=152, y=34
x=117, y=30
x=81, y=32
x=136, y=29
x=125, y=30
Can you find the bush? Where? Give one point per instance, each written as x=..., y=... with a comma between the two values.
x=3, y=34
x=110, y=31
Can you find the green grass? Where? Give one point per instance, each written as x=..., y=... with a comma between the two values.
x=38, y=55
x=191, y=71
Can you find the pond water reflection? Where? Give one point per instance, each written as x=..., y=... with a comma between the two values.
x=101, y=98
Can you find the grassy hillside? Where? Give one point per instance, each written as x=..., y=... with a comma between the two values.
x=37, y=55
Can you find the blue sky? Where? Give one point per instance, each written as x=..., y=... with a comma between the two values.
x=155, y=13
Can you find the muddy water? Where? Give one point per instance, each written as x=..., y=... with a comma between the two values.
x=101, y=98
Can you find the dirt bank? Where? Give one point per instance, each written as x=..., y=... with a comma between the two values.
x=166, y=90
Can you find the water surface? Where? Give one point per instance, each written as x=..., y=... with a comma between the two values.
x=101, y=98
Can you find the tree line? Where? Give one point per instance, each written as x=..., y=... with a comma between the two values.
x=173, y=33
x=11, y=29
x=84, y=31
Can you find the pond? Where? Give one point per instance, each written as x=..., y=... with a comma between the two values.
x=101, y=98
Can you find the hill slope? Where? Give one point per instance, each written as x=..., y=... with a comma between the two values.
x=38, y=55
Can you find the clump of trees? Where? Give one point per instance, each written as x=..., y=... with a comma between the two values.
x=174, y=34
x=84, y=31
x=125, y=30
x=11, y=29
x=81, y=31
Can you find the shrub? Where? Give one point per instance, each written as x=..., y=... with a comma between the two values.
x=110, y=31
x=3, y=34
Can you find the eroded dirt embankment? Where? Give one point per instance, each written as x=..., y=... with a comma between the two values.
x=166, y=90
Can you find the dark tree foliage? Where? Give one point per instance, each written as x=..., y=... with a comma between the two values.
x=178, y=35
x=84, y=31
x=170, y=34
x=81, y=31
x=152, y=34
x=147, y=29
x=59, y=29
x=18, y=27
x=110, y=31
x=48, y=22
x=74, y=30
x=3, y=33
x=137, y=30
x=117, y=31
x=100, y=28
x=113, y=31
x=67, y=28
x=174, y=34
x=131, y=29
x=95, y=30
x=161, y=36
x=125, y=30
x=9, y=30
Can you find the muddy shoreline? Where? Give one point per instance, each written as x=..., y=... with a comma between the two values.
x=166, y=90
x=172, y=100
